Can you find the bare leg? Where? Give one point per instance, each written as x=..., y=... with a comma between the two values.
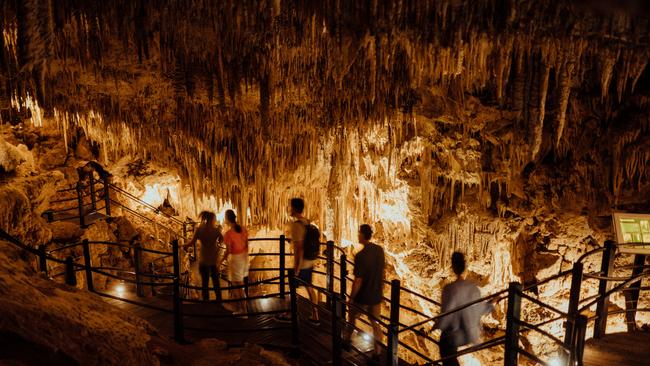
x=239, y=294
x=313, y=296
x=375, y=311
x=353, y=314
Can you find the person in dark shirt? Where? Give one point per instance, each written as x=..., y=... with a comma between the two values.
x=209, y=234
x=367, y=289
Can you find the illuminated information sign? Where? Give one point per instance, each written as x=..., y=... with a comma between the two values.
x=633, y=228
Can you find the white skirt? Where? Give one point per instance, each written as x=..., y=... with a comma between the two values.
x=238, y=267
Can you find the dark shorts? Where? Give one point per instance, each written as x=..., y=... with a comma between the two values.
x=305, y=275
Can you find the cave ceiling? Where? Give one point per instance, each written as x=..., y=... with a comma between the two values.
x=240, y=90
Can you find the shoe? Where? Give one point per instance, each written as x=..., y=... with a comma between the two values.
x=347, y=347
x=374, y=360
x=284, y=318
x=314, y=322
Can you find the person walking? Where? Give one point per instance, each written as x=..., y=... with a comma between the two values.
x=367, y=288
x=462, y=327
x=236, y=240
x=209, y=235
x=305, y=240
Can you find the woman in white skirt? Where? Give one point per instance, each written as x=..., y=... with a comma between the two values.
x=236, y=240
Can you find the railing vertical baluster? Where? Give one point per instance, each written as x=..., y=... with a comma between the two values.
x=295, y=341
x=137, y=263
x=335, y=304
x=580, y=335
x=282, y=266
x=80, y=202
x=393, y=328
x=632, y=296
x=49, y=215
x=177, y=305
x=107, y=198
x=42, y=259
x=607, y=264
x=343, y=268
x=93, y=199
x=574, y=301
x=70, y=274
x=329, y=269
x=88, y=266
x=513, y=315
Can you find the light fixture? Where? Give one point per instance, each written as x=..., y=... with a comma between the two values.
x=120, y=289
x=555, y=361
x=366, y=337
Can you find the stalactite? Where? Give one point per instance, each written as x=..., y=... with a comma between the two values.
x=565, y=80
x=539, y=124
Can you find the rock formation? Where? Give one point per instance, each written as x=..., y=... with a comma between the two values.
x=510, y=130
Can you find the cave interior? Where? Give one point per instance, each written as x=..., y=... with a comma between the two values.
x=508, y=130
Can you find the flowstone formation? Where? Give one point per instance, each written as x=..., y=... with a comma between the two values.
x=509, y=130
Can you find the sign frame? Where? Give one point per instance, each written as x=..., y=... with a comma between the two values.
x=623, y=237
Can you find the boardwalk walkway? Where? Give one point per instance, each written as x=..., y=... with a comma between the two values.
x=237, y=332
x=621, y=349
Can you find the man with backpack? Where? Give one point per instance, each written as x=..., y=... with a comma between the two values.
x=305, y=239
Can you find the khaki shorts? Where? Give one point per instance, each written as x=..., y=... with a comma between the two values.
x=238, y=267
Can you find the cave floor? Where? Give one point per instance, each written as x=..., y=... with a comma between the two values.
x=315, y=340
x=619, y=349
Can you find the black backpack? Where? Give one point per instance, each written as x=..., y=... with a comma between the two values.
x=311, y=244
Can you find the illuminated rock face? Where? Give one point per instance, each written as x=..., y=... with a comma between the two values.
x=506, y=130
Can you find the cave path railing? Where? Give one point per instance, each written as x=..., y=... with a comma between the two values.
x=94, y=193
x=336, y=291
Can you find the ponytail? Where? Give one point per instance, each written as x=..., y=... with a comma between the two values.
x=232, y=218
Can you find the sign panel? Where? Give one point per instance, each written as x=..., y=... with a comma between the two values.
x=632, y=228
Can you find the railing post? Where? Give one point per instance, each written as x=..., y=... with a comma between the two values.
x=572, y=312
x=337, y=358
x=329, y=269
x=70, y=274
x=93, y=199
x=107, y=199
x=607, y=264
x=137, y=263
x=293, y=301
x=282, y=266
x=49, y=215
x=632, y=296
x=177, y=301
x=42, y=259
x=513, y=316
x=392, y=353
x=343, y=268
x=88, y=266
x=580, y=335
x=80, y=202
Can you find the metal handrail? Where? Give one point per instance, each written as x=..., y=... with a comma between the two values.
x=459, y=308
x=479, y=347
x=143, y=203
x=589, y=253
x=617, y=288
x=543, y=332
x=541, y=304
x=136, y=213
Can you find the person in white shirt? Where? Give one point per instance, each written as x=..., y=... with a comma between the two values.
x=462, y=327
